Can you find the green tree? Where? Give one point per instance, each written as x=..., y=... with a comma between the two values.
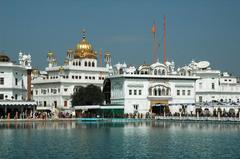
x=90, y=95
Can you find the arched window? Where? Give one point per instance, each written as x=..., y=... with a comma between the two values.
x=79, y=63
x=93, y=64
x=167, y=91
x=155, y=72
x=73, y=63
x=85, y=63
x=184, y=73
x=146, y=72
x=89, y=64
x=163, y=72
x=159, y=72
x=163, y=92
x=120, y=71
x=159, y=92
x=155, y=91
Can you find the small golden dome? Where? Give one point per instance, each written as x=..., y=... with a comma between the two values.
x=50, y=54
x=61, y=69
x=4, y=58
x=107, y=53
x=66, y=61
x=35, y=72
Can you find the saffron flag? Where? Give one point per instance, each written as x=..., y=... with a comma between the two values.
x=153, y=28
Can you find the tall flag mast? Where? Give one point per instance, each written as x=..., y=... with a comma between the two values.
x=100, y=57
x=165, y=42
x=154, y=42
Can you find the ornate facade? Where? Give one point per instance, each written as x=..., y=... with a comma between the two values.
x=150, y=88
x=54, y=86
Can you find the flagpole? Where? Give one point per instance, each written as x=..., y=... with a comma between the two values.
x=154, y=42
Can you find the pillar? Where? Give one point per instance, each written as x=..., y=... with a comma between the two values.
x=164, y=114
x=34, y=109
x=29, y=83
x=5, y=111
x=21, y=112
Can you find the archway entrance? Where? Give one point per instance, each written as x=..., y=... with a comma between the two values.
x=159, y=107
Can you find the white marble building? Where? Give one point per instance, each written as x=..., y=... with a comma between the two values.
x=142, y=89
x=216, y=91
x=213, y=85
x=15, y=84
x=13, y=77
x=53, y=87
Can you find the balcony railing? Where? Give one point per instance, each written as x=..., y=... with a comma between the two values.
x=159, y=97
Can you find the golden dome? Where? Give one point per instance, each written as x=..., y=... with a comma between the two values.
x=61, y=69
x=84, y=49
x=50, y=54
x=4, y=58
x=107, y=53
x=35, y=72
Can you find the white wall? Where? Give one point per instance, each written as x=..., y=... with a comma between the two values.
x=10, y=72
x=226, y=89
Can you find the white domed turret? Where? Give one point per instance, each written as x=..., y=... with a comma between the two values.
x=51, y=59
x=158, y=69
x=170, y=66
x=118, y=65
x=20, y=57
x=25, y=60
x=70, y=54
x=131, y=70
x=107, y=59
x=124, y=65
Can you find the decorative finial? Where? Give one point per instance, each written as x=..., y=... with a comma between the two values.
x=84, y=33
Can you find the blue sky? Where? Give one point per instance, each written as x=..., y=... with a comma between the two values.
x=199, y=30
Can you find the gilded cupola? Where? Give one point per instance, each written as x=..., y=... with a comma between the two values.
x=50, y=54
x=84, y=49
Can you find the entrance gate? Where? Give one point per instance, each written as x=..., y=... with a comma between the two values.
x=158, y=107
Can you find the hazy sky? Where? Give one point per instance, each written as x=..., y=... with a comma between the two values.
x=199, y=30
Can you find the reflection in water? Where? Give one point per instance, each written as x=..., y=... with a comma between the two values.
x=150, y=139
x=38, y=125
x=171, y=125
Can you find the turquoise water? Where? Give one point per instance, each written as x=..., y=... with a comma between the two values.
x=85, y=140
